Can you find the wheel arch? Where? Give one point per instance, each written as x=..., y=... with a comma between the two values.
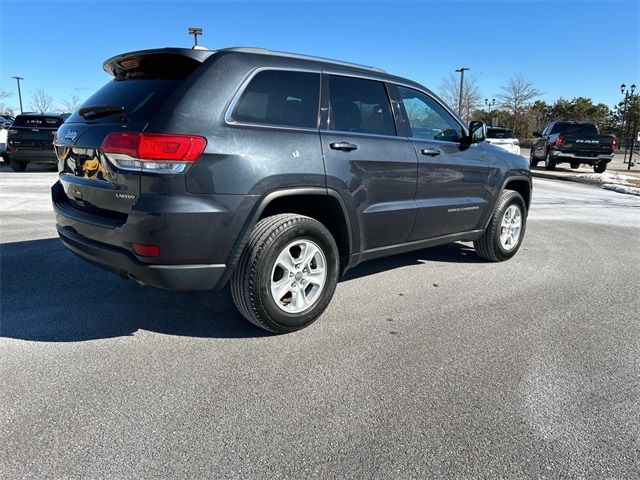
x=323, y=204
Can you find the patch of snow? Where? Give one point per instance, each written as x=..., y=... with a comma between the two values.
x=608, y=178
x=621, y=188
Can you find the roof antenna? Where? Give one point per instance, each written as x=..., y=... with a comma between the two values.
x=195, y=31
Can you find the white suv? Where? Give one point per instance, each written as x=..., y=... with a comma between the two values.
x=503, y=138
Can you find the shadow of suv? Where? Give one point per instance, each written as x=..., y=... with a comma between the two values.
x=275, y=173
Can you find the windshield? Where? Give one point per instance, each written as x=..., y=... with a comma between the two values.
x=36, y=121
x=576, y=129
x=499, y=133
x=140, y=98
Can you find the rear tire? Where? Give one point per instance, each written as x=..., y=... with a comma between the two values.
x=17, y=165
x=533, y=162
x=510, y=214
x=549, y=163
x=600, y=167
x=276, y=286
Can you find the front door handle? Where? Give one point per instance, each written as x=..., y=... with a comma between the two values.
x=344, y=146
x=430, y=152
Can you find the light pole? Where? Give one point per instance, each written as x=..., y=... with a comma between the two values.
x=19, y=92
x=627, y=93
x=195, y=31
x=461, y=70
x=490, y=104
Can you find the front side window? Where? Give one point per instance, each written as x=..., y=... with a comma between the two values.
x=427, y=118
x=279, y=97
x=359, y=105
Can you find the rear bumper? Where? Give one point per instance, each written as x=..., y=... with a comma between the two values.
x=168, y=277
x=34, y=155
x=196, y=236
x=569, y=156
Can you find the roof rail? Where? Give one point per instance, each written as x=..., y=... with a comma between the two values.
x=265, y=51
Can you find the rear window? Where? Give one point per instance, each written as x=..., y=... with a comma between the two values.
x=141, y=88
x=495, y=133
x=576, y=128
x=36, y=121
x=277, y=97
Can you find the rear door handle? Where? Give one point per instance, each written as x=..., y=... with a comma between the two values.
x=344, y=146
x=430, y=152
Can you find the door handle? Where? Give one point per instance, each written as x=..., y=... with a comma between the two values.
x=344, y=146
x=430, y=152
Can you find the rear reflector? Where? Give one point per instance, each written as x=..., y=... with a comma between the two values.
x=146, y=250
x=151, y=146
x=559, y=141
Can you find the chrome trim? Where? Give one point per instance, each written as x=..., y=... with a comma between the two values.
x=577, y=157
x=228, y=116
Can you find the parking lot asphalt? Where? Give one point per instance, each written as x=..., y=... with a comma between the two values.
x=433, y=364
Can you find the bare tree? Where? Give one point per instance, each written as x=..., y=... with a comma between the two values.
x=70, y=104
x=515, y=95
x=4, y=94
x=471, y=97
x=41, y=101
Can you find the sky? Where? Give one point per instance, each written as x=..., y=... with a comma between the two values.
x=568, y=48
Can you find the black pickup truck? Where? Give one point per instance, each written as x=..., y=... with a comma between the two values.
x=574, y=143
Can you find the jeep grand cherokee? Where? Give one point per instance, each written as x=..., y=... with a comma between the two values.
x=276, y=173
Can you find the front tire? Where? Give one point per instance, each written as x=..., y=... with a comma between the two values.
x=503, y=236
x=287, y=273
x=600, y=167
x=17, y=165
x=549, y=163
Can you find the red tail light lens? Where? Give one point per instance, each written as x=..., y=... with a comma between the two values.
x=124, y=143
x=559, y=141
x=146, y=250
x=150, y=146
x=614, y=142
x=11, y=131
x=171, y=147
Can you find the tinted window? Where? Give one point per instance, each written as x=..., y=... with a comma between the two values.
x=427, y=118
x=36, y=121
x=499, y=133
x=576, y=128
x=358, y=105
x=276, y=97
x=141, y=98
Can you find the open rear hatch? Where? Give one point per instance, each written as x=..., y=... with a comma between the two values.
x=98, y=145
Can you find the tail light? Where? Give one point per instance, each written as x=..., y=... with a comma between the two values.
x=559, y=142
x=151, y=152
x=614, y=142
x=11, y=131
x=146, y=250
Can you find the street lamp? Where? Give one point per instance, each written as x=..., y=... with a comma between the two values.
x=627, y=93
x=490, y=103
x=461, y=70
x=195, y=31
x=19, y=92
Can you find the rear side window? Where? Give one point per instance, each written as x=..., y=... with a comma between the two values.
x=279, y=97
x=37, y=121
x=359, y=105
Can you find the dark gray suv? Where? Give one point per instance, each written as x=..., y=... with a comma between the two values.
x=275, y=173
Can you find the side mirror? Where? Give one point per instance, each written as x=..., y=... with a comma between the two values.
x=477, y=133
x=537, y=134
